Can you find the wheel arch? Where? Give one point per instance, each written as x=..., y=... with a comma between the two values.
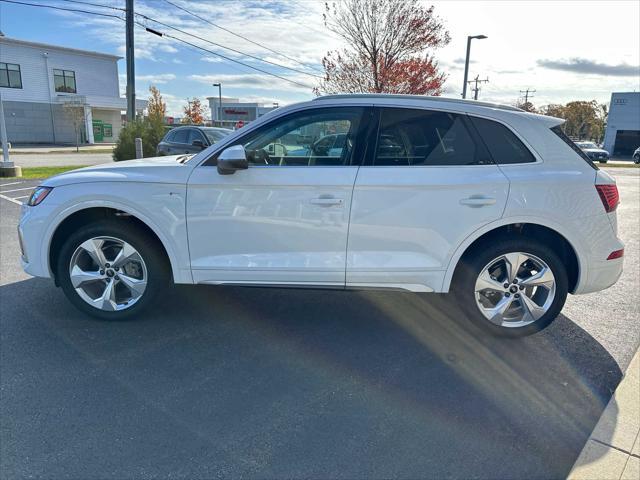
x=81, y=215
x=569, y=249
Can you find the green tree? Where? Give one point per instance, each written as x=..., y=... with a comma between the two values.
x=156, y=107
x=149, y=130
x=585, y=120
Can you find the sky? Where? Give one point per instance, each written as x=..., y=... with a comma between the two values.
x=564, y=50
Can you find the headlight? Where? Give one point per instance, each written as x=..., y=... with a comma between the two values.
x=38, y=195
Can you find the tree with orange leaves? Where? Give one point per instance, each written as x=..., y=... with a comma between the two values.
x=387, y=42
x=193, y=112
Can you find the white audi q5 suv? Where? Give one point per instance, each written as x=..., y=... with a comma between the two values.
x=424, y=194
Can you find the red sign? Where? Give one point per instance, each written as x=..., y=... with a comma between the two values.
x=233, y=111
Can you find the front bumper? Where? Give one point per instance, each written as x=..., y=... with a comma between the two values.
x=31, y=234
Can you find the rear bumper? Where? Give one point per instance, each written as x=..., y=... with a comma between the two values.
x=601, y=276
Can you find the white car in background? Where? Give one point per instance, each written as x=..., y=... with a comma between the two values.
x=425, y=194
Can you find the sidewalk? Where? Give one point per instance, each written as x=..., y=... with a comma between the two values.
x=42, y=149
x=613, y=450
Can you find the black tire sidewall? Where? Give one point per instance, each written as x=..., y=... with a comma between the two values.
x=471, y=265
x=147, y=247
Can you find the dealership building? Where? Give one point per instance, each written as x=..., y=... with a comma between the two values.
x=622, y=135
x=49, y=92
x=232, y=110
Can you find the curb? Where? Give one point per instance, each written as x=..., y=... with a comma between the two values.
x=613, y=449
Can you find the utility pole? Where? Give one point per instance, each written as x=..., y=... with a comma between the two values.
x=526, y=94
x=7, y=168
x=476, y=89
x=131, y=70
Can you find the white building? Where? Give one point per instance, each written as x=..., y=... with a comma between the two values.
x=47, y=90
x=233, y=110
x=622, y=135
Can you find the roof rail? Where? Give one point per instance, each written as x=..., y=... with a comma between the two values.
x=418, y=97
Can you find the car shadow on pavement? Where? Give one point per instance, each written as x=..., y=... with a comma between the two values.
x=275, y=383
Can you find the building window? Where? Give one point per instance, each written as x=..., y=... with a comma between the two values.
x=10, y=75
x=65, y=81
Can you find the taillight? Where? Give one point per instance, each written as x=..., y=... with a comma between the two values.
x=609, y=196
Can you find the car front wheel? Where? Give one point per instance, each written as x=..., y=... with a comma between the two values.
x=512, y=288
x=111, y=269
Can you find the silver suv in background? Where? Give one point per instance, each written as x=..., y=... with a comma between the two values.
x=595, y=153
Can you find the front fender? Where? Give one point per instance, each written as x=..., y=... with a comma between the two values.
x=161, y=207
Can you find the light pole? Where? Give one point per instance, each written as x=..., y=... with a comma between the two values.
x=219, y=112
x=466, y=62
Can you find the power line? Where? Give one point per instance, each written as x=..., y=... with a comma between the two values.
x=238, y=35
x=224, y=47
x=99, y=5
x=76, y=10
x=161, y=34
x=61, y=8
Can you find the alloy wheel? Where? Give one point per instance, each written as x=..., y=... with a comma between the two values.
x=515, y=289
x=108, y=273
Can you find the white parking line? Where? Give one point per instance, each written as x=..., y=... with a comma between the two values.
x=23, y=196
x=16, y=189
x=11, y=183
x=11, y=200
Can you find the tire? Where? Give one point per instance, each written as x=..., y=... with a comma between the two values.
x=147, y=270
x=466, y=281
x=636, y=159
x=603, y=161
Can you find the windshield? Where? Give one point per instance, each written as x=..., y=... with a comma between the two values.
x=215, y=135
x=587, y=145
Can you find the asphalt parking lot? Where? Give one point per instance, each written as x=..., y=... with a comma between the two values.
x=271, y=383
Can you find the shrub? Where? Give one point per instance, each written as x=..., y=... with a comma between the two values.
x=151, y=133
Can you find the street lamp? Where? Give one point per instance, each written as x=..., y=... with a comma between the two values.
x=466, y=62
x=219, y=112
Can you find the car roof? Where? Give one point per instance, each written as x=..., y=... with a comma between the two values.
x=386, y=96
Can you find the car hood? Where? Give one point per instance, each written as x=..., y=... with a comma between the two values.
x=170, y=169
x=594, y=150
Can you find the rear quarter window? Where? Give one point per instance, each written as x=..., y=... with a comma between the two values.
x=558, y=131
x=505, y=148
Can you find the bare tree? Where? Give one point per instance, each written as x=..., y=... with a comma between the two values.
x=387, y=42
x=75, y=112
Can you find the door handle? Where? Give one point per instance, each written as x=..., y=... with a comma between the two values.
x=478, y=201
x=326, y=201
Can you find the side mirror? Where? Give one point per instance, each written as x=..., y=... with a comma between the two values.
x=199, y=143
x=232, y=159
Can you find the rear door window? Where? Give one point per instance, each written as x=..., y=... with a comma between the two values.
x=181, y=136
x=195, y=134
x=412, y=137
x=504, y=146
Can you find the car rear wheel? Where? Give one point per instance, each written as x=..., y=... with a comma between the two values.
x=512, y=288
x=111, y=269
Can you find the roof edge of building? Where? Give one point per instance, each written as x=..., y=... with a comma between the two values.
x=47, y=46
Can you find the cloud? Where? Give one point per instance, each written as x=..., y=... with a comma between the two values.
x=156, y=79
x=460, y=61
x=257, y=81
x=591, y=67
